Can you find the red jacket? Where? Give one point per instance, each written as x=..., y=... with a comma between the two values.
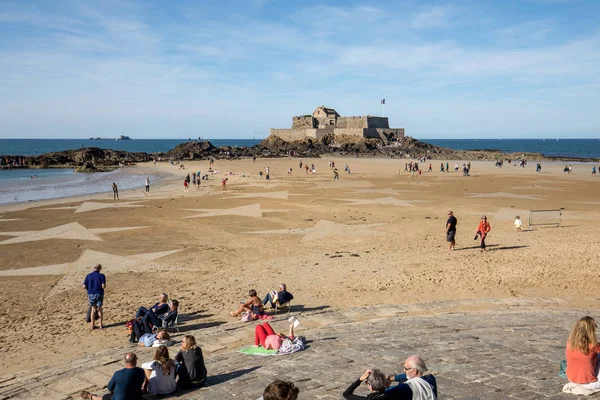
x=484, y=227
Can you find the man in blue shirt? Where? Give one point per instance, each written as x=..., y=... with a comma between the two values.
x=95, y=282
x=125, y=384
x=414, y=383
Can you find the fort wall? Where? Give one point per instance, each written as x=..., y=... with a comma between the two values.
x=326, y=121
x=351, y=122
x=304, y=122
x=377, y=122
x=290, y=134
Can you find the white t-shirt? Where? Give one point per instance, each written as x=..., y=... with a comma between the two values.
x=159, y=383
x=518, y=223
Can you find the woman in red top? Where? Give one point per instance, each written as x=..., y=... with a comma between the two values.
x=582, y=354
x=482, y=230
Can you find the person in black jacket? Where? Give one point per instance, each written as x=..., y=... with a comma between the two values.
x=190, y=356
x=278, y=298
x=375, y=380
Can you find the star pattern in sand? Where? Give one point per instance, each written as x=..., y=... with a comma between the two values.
x=324, y=229
x=504, y=194
x=267, y=195
x=2, y=219
x=386, y=201
x=94, y=205
x=382, y=191
x=72, y=231
x=75, y=272
x=252, y=210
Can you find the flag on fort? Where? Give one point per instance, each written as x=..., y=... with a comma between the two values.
x=382, y=101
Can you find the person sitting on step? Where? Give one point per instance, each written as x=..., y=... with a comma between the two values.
x=125, y=384
x=254, y=305
x=278, y=298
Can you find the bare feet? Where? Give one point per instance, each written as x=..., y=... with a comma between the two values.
x=85, y=395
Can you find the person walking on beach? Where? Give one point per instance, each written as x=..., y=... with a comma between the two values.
x=115, y=191
x=147, y=185
x=594, y=170
x=336, y=175
x=451, y=230
x=482, y=231
x=518, y=223
x=95, y=283
x=185, y=185
x=224, y=184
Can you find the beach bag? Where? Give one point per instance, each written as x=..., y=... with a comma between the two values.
x=246, y=317
x=129, y=326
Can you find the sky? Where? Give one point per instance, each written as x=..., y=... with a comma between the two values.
x=234, y=69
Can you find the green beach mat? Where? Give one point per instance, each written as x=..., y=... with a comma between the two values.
x=258, y=351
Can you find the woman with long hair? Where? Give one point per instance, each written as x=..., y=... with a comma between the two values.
x=582, y=354
x=160, y=372
x=190, y=356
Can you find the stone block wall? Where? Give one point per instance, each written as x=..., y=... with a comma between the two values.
x=384, y=134
x=351, y=122
x=359, y=132
x=377, y=122
x=303, y=122
x=290, y=134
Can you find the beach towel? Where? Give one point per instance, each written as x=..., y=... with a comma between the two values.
x=258, y=351
x=421, y=389
x=574, y=388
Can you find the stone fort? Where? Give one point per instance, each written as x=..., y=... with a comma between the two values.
x=326, y=121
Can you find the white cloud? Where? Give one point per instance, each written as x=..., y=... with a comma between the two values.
x=432, y=17
x=110, y=67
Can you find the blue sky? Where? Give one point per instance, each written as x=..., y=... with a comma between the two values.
x=221, y=69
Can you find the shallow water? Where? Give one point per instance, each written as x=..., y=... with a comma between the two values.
x=19, y=185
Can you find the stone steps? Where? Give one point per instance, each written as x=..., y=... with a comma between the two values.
x=506, y=348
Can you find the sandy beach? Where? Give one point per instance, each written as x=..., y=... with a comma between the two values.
x=374, y=237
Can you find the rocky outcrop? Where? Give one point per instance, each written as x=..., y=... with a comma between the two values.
x=94, y=159
x=85, y=159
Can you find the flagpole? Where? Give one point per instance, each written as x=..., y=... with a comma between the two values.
x=383, y=109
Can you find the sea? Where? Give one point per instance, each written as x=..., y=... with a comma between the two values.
x=24, y=185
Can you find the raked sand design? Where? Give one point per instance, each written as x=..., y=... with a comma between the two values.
x=266, y=195
x=252, y=211
x=74, y=272
x=325, y=229
x=505, y=194
x=93, y=206
x=383, y=201
x=332, y=255
x=383, y=191
x=71, y=231
x=2, y=219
